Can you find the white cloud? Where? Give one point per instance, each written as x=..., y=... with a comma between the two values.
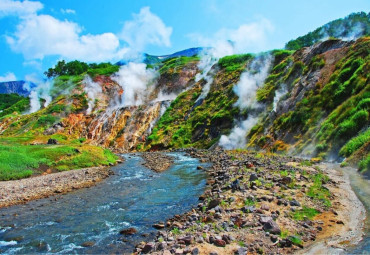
x=8, y=77
x=18, y=8
x=251, y=37
x=145, y=28
x=67, y=11
x=38, y=36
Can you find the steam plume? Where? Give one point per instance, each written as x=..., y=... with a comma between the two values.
x=137, y=83
x=246, y=90
x=41, y=91
x=92, y=90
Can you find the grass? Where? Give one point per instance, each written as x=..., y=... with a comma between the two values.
x=18, y=160
x=318, y=191
x=249, y=202
x=355, y=143
x=305, y=212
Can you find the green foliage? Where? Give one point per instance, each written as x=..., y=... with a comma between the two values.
x=46, y=120
x=249, y=202
x=106, y=69
x=234, y=62
x=7, y=100
x=318, y=191
x=364, y=164
x=176, y=63
x=71, y=68
x=57, y=108
x=296, y=240
x=305, y=212
x=20, y=161
x=10, y=103
x=337, y=28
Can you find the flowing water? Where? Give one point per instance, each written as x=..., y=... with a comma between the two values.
x=361, y=186
x=134, y=197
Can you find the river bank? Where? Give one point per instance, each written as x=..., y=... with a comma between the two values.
x=157, y=161
x=264, y=204
x=24, y=190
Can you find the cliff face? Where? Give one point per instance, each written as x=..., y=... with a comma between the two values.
x=312, y=102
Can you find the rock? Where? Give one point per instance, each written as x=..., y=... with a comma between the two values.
x=294, y=203
x=148, y=247
x=220, y=243
x=213, y=253
x=241, y=251
x=213, y=204
x=285, y=243
x=200, y=168
x=273, y=238
x=161, y=246
x=166, y=252
x=128, y=231
x=195, y=251
x=272, y=227
x=235, y=185
x=248, y=209
x=158, y=225
x=52, y=141
x=253, y=177
x=286, y=180
x=88, y=244
x=179, y=252
x=265, y=207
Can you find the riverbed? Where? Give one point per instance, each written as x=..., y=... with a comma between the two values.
x=133, y=197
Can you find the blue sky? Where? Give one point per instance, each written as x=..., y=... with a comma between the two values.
x=36, y=34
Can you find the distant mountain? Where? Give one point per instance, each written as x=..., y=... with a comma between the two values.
x=151, y=59
x=16, y=87
x=351, y=27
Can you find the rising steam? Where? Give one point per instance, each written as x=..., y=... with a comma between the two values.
x=136, y=81
x=41, y=91
x=92, y=90
x=246, y=90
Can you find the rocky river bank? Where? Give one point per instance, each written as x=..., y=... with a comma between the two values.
x=262, y=204
x=22, y=191
x=157, y=161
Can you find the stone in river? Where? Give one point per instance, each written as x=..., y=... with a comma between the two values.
x=128, y=231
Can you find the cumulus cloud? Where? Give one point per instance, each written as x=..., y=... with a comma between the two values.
x=67, y=11
x=38, y=36
x=251, y=37
x=8, y=77
x=18, y=8
x=145, y=28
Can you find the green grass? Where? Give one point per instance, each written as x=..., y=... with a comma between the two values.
x=364, y=165
x=355, y=143
x=318, y=191
x=249, y=202
x=305, y=212
x=20, y=160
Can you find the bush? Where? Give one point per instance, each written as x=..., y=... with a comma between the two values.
x=355, y=143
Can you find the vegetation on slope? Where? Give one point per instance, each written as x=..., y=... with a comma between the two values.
x=19, y=159
x=354, y=25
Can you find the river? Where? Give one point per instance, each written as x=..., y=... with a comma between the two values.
x=134, y=197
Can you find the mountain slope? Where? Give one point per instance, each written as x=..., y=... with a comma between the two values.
x=351, y=27
x=312, y=102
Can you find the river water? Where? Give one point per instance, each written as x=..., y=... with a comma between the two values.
x=361, y=186
x=134, y=197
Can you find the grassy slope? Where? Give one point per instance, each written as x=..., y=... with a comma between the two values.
x=328, y=116
x=19, y=159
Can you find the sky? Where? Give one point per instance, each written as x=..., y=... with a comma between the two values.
x=34, y=35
